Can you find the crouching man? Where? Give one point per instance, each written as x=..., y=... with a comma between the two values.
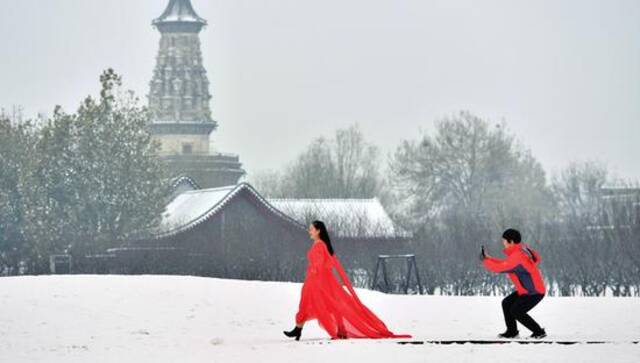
x=521, y=265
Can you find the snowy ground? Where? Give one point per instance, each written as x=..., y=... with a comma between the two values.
x=191, y=319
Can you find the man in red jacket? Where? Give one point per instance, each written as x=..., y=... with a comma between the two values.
x=521, y=265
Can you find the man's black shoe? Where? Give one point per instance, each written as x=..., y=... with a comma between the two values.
x=508, y=334
x=539, y=335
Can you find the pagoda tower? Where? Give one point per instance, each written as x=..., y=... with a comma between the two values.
x=179, y=102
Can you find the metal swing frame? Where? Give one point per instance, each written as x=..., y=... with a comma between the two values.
x=411, y=267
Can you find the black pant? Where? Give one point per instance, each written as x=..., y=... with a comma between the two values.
x=515, y=307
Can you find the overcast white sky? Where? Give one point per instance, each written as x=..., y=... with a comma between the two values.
x=563, y=75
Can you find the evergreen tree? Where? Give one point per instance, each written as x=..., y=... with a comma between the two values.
x=98, y=175
x=17, y=140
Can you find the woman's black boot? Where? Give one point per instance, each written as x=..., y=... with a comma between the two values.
x=295, y=333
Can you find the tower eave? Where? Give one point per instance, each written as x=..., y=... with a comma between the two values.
x=178, y=26
x=182, y=128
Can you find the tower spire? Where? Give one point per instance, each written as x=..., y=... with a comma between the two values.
x=179, y=16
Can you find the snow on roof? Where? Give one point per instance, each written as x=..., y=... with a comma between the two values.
x=343, y=217
x=179, y=11
x=184, y=179
x=193, y=207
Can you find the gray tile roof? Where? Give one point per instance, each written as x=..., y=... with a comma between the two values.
x=193, y=207
x=350, y=218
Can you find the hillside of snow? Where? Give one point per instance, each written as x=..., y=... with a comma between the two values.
x=112, y=318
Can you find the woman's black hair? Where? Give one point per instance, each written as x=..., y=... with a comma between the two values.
x=324, y=235
x=512, y=235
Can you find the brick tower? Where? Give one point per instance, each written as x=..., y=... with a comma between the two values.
x=179, y=102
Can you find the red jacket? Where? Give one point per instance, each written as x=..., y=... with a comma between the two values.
x=522, y=266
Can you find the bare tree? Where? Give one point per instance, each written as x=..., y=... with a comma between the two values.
x=343, y=167
x=468, y=167
x=578, y=188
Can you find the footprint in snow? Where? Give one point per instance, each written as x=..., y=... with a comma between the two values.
x=216, y=341
x=140, y=332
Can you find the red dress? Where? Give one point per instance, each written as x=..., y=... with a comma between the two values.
x=337, y=310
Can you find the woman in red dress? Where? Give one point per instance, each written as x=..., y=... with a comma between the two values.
x=323, y=297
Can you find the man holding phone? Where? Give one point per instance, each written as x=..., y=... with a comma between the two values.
x=521, y=265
